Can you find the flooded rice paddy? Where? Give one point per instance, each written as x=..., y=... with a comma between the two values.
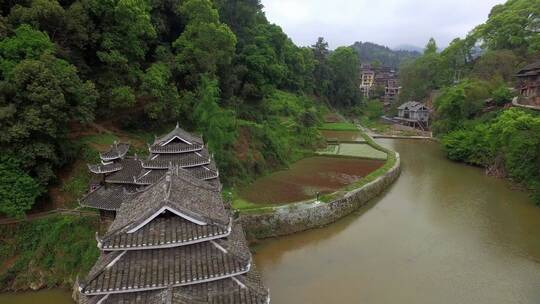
x=307, y=177
x=343, y=135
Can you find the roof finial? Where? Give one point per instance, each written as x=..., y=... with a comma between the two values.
x=177, y=125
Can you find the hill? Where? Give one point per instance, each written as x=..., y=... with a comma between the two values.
x=369, y=52
x=219, y=68
x=408, y=47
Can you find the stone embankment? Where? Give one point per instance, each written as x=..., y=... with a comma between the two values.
x=297, y=217
x=516, y=103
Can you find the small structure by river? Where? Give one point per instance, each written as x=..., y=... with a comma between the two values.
x=414, y=114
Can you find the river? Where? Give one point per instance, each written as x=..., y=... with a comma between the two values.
x=443, y=233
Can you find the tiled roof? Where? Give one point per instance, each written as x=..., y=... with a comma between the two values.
x=531, y=69
x=184, y=160
x=173, y=241
x=105, y=168
x=176, y=147
x=411, y=105
x=243, y=289
x=163, y=231
x=150, y=176
x=117, y=150
x=178, y=133
x=140, y=270
x=108, y=197
x=178, y=191
x=204, y=172
x=132, y=168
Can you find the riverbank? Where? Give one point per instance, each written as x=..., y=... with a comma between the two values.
x=47, y=253
x=272, y=221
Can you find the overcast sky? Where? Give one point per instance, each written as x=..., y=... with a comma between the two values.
x=386, y=22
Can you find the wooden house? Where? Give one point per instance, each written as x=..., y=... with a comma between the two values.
x=529, y=83
x=414, y=114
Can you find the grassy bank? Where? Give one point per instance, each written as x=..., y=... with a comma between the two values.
x=338, y=126
x=47, y=253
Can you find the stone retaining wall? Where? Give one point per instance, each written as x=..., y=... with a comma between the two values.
x=303, y=216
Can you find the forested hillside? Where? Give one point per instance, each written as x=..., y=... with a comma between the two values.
x=472, y=112
x=217, y=67
x=370, y=52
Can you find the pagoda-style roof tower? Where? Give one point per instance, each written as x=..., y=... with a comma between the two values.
x=121, y=175
x=174, y=242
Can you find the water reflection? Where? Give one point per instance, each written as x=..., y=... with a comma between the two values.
x=444, y=233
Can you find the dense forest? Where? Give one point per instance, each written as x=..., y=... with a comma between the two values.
x=217, y=67
x=371, y=52
x=473, y=80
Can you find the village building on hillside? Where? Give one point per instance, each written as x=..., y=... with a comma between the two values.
x=529, y=84
x=118, y=175
x=367, y=79
x=391, y=91
x=414, y=114
x=173, y=240
x=383, y=78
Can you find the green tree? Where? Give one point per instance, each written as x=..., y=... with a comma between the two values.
x=345, y=89
x=322, y=73
x=122, y=97
x=126, y=33
x=27, y=43
x=44, y=15
x=165, y=101
x=496, y=66
x=205, y=45
x=39, y=96
x=502, y=95
x=513, y=26
x=459, y=103
x=431, y=47
x=217, y=125
x=18, y=191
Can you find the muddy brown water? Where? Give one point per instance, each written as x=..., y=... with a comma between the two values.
x=443, y=233
x=50, y=296
x=343, y=135
x=307, y=177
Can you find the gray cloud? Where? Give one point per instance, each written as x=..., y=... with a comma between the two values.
x=387, y=22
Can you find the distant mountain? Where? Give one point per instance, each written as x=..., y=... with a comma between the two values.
x=408, y=47
x=369, y=52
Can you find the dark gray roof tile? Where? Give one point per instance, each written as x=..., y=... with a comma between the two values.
x=140, y=270
x=131, y=169
x=116, y=151
x=105, y=168
x=180, y=134
x=175, y=147
x=184, y=160
x=164, y=231
x=108, y=197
